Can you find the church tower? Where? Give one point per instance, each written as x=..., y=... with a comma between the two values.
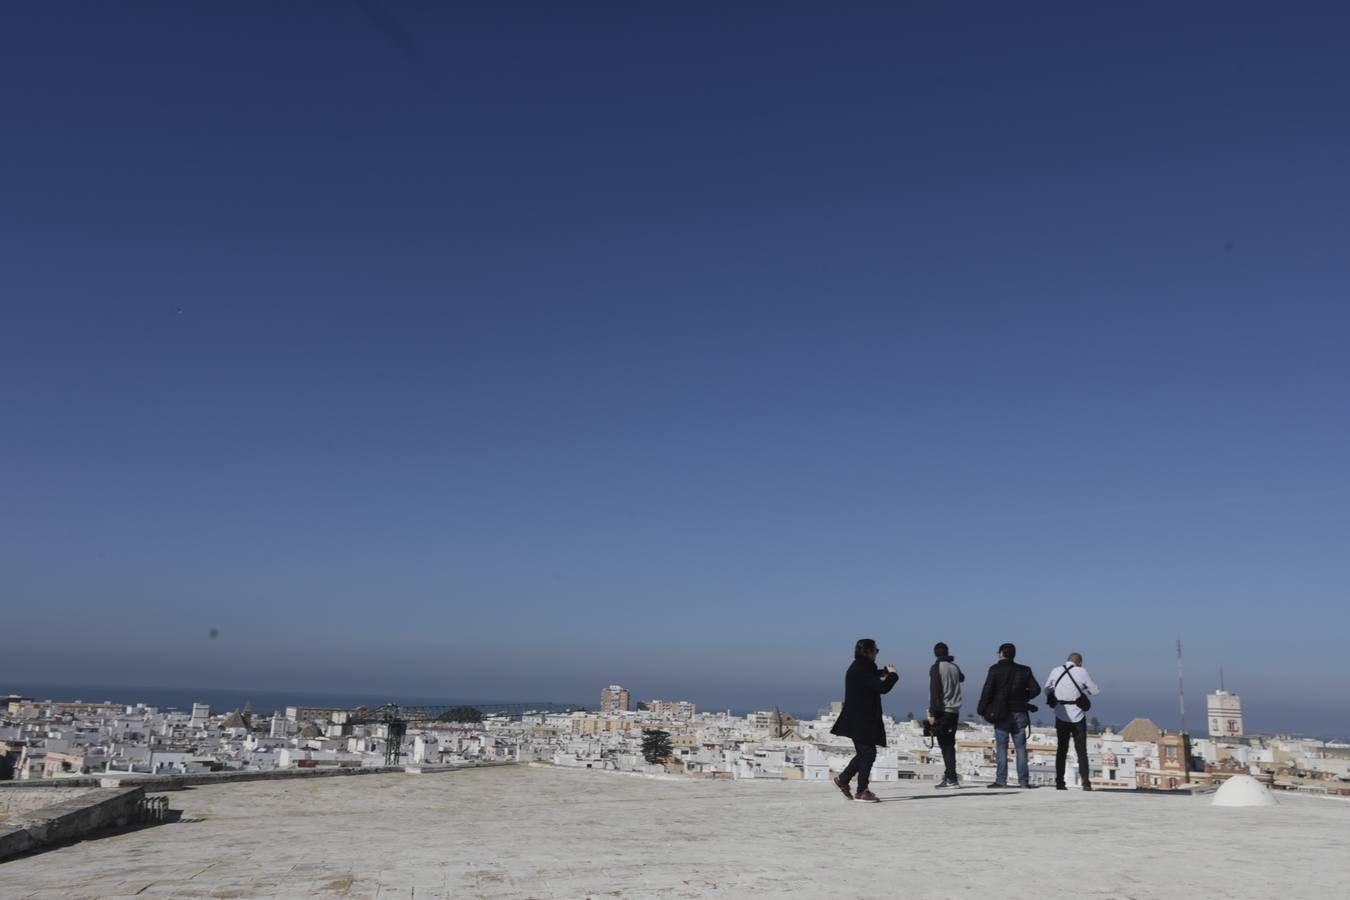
x=1225, y=715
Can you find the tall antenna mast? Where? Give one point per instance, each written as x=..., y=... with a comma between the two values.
x=1181, y=688
x=1221, y=679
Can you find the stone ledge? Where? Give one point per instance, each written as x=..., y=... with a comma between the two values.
x=436, y=768
x=80, y=781
x=94, y=811
x=179, y=782
x=17, y=803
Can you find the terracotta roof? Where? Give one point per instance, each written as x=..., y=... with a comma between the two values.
x=235, y=720
x=1141, y=730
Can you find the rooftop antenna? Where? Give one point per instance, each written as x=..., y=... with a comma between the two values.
x=1221, y=690
x=1181, y=688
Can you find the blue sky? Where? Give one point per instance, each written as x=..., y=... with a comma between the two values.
x=510, y=351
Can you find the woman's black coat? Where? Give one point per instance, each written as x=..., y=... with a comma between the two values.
x=860, y=718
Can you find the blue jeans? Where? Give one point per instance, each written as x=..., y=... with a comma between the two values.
x=1019, y=738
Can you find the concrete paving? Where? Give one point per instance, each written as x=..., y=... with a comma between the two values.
x=544, y=833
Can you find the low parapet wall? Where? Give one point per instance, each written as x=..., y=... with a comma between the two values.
x=180, y=782
x=92, y=811
x=17, y=802
x=79, y=781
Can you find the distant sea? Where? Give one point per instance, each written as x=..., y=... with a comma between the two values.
x=228, y=699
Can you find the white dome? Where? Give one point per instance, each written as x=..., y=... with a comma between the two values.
x=1243, y=790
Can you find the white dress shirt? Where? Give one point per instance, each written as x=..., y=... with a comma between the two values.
x=1067, y=692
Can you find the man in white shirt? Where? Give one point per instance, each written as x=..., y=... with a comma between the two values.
x=1067, y=690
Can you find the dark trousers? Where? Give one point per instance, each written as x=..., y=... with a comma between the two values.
x=946, y=738
x=1078, y=732
x=864, y=754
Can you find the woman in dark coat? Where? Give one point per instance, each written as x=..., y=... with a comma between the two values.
x=860, y=719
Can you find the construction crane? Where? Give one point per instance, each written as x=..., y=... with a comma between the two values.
x=392, y=716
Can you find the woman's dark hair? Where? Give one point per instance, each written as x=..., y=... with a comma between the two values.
x=940, y=650
x=863, y=648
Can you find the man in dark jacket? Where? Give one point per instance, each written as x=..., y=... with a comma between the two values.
x=860, y=719
x=944, y=709
x=1004, y=704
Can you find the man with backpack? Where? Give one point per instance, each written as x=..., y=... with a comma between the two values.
x=1005, y=703
x=1067, y=690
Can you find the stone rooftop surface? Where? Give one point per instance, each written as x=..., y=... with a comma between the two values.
x=527, y=831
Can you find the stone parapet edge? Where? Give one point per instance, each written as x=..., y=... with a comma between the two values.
x=179, y=782
x=97, y=810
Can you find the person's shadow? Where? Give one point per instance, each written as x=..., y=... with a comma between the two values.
x=951, y=796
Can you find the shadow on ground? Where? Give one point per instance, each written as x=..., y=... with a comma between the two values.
x=951, y=796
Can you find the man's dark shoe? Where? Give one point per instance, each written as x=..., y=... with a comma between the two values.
x=1087, y=786
x=996, y=784
x=867, y=797
x=1061, y=787
x=945, y=783
x=848, y=794
x=1026, y=787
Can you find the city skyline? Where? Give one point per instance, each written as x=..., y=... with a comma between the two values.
x=523, y=352
x=1108, y=711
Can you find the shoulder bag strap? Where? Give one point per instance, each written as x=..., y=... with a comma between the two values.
x=1081, y=695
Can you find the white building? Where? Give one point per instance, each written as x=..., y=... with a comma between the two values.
x=282, y=726
x=678, y=710
x=426, y=749
x=886, y=767
x=815, y=764
x=201, y=715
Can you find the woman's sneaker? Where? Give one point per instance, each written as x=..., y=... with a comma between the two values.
x=948, y=783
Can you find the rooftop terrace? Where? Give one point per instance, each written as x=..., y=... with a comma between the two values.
x=541, y=832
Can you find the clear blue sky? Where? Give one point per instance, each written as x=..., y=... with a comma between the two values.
x=510, y=351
